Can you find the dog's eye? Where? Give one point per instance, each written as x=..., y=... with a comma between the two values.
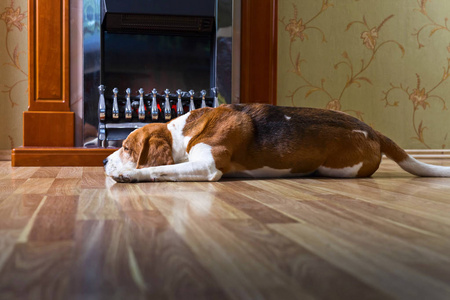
x=126, y=148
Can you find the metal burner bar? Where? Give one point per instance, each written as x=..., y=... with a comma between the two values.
x=134, y=125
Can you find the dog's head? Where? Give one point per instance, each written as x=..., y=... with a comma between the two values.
x=145, y=147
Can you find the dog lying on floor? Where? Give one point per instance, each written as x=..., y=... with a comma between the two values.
x=257, y=140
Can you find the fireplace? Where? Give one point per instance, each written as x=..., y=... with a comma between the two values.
x=54, y=129
x=148, y=55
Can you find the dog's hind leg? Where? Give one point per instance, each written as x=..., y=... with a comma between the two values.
x=355, y=159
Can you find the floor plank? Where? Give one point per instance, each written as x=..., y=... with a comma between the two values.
x=55, y=220
x=387, y=275
x=37, y=271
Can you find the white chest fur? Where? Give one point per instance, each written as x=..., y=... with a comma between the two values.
x=179, y=141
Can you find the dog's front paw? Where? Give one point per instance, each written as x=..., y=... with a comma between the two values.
x=125, y=177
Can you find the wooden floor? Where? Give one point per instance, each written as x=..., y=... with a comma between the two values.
x=71, y=233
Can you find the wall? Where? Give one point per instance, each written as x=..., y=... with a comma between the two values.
x=385, y=62
x=13, y=71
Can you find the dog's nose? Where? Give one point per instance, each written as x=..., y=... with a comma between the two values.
x=105, y=161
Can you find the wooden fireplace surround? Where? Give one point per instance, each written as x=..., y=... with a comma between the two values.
x=48, y=125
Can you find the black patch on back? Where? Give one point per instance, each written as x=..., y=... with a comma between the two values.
x=277, y=125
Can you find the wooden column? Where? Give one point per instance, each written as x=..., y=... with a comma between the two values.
x=48, y=125
x=259, y=51
x=48, y=121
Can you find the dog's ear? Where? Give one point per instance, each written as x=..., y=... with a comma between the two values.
x=155, y=151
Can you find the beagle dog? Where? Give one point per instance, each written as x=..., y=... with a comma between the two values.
x=257, y=140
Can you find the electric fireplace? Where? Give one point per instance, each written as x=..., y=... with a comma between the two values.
x=151, y=61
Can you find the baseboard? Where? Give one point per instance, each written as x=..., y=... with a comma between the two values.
x=58, y=156
x=5, y=155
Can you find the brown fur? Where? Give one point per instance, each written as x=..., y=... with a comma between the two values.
x=151, y=146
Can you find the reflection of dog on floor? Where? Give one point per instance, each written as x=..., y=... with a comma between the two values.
x=257, y=140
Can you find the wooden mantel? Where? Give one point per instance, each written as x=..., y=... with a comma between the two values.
x=48, y=125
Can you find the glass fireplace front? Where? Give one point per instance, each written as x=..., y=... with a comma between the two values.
x=143, y=54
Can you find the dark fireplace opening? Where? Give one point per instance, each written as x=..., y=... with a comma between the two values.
x=184, y=62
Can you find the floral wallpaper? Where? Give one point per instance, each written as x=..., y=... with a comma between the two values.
x=13, y=71
x=385, y=62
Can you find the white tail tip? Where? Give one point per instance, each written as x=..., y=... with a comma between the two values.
x=415, y=167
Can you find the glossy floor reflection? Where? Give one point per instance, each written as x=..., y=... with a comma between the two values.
x=72, y=233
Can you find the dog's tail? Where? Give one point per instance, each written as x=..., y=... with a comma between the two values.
x=409, y=163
